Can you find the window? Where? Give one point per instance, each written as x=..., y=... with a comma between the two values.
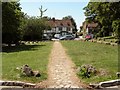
x=68, y=24
x=68, y=29
x=61, y=24
x=60, y=28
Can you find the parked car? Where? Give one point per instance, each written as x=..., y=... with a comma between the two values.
x=57, y=36
x=88, y=37
x=54, y=39
x=67, y=37
x=46, y=38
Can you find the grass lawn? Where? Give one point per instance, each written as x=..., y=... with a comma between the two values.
x=36, y=56
x=99, y=55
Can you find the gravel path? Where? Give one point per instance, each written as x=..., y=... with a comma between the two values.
x=61, y=69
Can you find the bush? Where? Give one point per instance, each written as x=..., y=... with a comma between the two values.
x=86, y=71
x=34, y=29
x=116, y=28
x=80, y=33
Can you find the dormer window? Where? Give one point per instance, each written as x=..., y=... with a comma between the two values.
x=53, y=19
x=68, y=24
x=60, y=28
x=61, y=24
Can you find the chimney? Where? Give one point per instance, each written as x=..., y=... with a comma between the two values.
x=53, y=19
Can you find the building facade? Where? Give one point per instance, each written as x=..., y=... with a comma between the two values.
x=89, y=28
x=58, y=28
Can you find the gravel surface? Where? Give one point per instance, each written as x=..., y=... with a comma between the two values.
x=61, y=69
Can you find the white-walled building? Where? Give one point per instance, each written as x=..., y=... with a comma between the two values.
x=59, y=28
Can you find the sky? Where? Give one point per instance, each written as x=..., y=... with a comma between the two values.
x=56, y=9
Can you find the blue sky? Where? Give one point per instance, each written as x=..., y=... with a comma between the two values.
x=56, y=9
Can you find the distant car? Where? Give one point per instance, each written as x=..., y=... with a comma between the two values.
x=54, y=39
x=57, y=36
x=67, y=37
x=46, y=38
x=88, y=37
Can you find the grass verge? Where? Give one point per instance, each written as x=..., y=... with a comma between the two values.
x=101, y=56
x=36, y=56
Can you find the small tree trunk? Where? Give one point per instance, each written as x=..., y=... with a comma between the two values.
x=9, y=44
x=17, y=44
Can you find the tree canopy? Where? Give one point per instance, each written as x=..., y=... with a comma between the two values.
x=73, y=22
x=18, y=26
x=11, y=21
x=106, y=13
x=34, y=28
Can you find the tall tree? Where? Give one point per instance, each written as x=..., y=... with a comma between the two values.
x=103, y=12
x=11, y=21
x=42, y=11
x=34, y=28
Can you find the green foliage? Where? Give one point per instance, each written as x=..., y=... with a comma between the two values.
x=80, y=33
x=83, y=72
x=11, y=21
x=73, y=23
x=34, y=28
x=103, y=12
x=86, y=71
x=116, y=28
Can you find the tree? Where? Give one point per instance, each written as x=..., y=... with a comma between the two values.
x=11, y=21
x=116, y=28
x=34, y=29
x=42, y=11
x=104, y=13
x=73, y=22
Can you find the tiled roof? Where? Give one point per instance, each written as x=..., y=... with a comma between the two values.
x=89, y=25
x=92, y=25
x=60, y=23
